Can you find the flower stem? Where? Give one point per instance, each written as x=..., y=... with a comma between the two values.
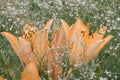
x=99, y=70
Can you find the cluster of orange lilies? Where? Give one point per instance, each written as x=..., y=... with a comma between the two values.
x=38, y=54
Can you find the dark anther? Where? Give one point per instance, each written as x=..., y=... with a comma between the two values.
x=29, y=35
x=83, y=32
x=25, y=36
x=91, y=34
x=32, y=32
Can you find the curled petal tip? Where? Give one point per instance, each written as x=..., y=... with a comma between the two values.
x=107, y=39
x=3, y=33
x=102, y=30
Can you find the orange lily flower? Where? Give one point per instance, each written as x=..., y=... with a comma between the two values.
x=58, y=45
x=32, y=45
x=83, y=45
x=34, y=49
x=30, y=72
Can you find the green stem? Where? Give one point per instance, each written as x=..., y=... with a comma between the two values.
x=99, y=70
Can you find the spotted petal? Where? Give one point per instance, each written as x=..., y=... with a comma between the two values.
x=26, y=54
x=98, y=35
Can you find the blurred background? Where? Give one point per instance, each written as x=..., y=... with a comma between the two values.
x=15, y=13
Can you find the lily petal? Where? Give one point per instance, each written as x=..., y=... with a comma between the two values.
x=21, y=47
x=67, y=31
x=66, y=27
x=30, y=72
x=76, y=49
x=105, y=41
x=60, y=34
x=96, y=47
x=59, y=41
x=40, y=45
x=92, y=49
x=57, y=72
x=99, y=34
x=57, y=53
x=26, y=53
x=48, y=24
x=79, y=26
x=13, y=41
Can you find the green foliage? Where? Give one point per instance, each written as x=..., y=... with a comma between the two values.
x=14, y=13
